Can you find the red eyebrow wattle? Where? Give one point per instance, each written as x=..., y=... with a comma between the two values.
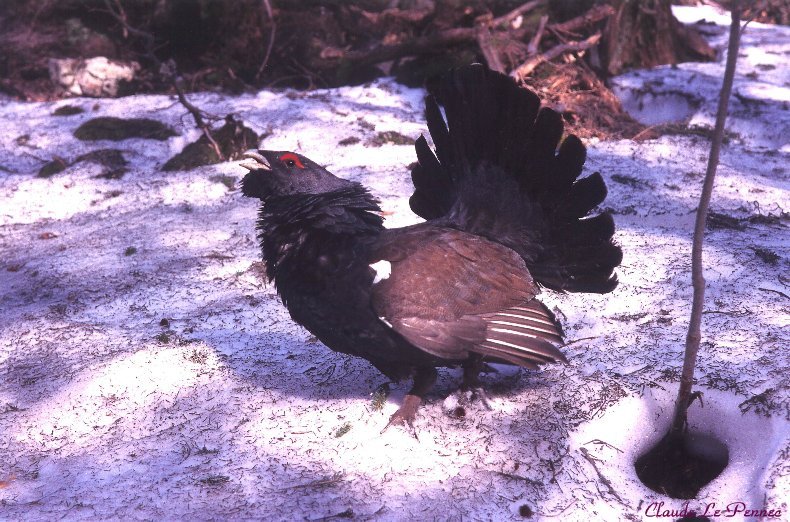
x=292, y=157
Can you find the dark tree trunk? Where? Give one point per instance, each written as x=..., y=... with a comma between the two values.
x=644, y=33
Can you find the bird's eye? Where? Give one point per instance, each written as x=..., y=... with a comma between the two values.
x=291, y=160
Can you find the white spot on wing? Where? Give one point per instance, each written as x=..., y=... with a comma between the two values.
x=385, y=322
x=383, y=270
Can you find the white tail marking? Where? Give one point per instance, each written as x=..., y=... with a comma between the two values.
x=536, y=319
x=383, y=270
x=516, y=346
x=525, y=334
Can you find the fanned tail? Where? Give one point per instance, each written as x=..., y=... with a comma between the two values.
x=497, y=172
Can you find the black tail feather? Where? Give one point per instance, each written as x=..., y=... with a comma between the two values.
x=498, y=141
x=586, y=194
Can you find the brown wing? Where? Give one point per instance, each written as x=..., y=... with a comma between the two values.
x=450, y=293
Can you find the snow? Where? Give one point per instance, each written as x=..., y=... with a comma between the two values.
x=230, y=411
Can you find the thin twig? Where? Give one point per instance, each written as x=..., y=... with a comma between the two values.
x=534, y=43
x=523, y=70
x=592, y=460
x=694, y=336
x=197, y=116
x=268, y=6
x=646, y=131
x=167, y=70
x=775, y=291
x=334, y=479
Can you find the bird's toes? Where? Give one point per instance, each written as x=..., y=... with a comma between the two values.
x=480, y=395
x=400, y=418
x=405, y=415
x=474, y=394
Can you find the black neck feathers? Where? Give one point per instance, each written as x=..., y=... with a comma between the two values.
x=316, y=234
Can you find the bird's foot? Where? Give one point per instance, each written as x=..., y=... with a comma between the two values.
x=406, y=414
x=457, y=404
x=471, y=387
x=475, y=394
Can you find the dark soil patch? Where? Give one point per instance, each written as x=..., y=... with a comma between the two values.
x=68, y=110
x=233, y=139
x=111, y=160
x=118, y=129
x=52, y=167
x=351, y=140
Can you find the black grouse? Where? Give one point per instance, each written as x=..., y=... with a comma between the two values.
x=505, y=211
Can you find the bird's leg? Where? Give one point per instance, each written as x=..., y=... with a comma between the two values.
x=424, y=379
x=471, y=382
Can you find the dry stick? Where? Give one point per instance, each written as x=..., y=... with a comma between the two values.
x=487, y=47
x=166, y=70
x=527, y=67
x=270, y=14
x=534, y=43
x=693, y=338
x=593, y=16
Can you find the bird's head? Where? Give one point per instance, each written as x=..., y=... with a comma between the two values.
x=282, y=173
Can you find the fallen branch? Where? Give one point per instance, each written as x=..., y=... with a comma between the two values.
x=534, y=43
x=527, y=67
x=591, y=17
x=484, y=41
x=419, y=45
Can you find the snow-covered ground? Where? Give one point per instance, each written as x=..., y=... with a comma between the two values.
x=227, y=410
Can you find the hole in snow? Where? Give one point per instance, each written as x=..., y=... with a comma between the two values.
x=653, y=109
x=679, y=466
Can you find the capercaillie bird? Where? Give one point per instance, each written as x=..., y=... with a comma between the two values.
x=505, y=213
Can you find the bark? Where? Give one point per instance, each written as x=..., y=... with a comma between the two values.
x=644, y=33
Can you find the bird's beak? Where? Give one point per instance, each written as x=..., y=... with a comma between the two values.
x=253, y=160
